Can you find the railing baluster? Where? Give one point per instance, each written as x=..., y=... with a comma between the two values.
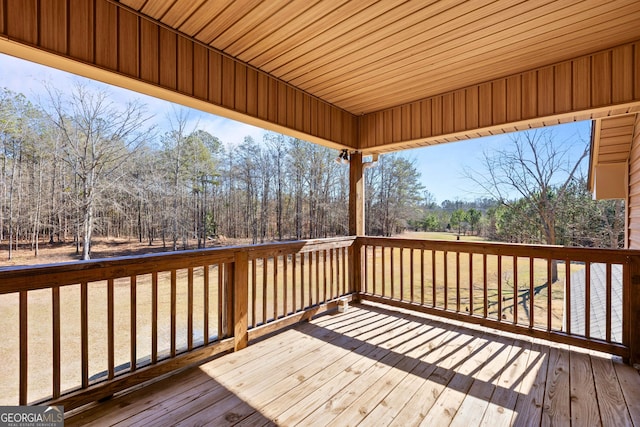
x=55, y=306
x=384, y=268
x=294, y=282
x=275, y=287
x=133, y=323
x=24, y=348
x=549, y=289
x=173, y=313
x=285, y=261
x=549, y=292
x=446, y=280
x=608, y=308
x=317, y=277
x=302, y=257
x=587, y=303
x=205, y=290
x=401, y=274
x=154, y=319
x=264, y=290
x=340, y=270
x=485, y=285
x=433, y=278
x=630, y=310
x=111, y=329
x=332, y=293
x=393, y=279
x=84, y=333
x=344, y=270
x=499, y=288
x=324, y=275
x=310, y=258
x=366, y=268
x=422, y=276
x=457, y=282
x=567, y=296
x=190, y=309
x=334, y=273
x=411, y=275
x=471, y=283
x=515, y=289
x=229, y=295
x=531, y=289
x=221, y=297
x=254, y=289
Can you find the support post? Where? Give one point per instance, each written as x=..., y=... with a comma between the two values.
x=240, y=300
x=356, y=220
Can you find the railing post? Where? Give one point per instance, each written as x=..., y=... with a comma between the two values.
x=240, y=300
x=634, y=310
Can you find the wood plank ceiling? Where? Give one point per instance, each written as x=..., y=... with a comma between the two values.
x=368, y=55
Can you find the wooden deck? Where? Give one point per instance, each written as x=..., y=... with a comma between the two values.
x=377, y=366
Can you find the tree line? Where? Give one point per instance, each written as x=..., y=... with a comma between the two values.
x=538, y=194
x=77, y=165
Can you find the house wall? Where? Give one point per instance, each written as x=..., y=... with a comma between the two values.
x=633, y=200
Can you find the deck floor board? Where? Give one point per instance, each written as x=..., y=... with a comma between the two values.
x=376, y=366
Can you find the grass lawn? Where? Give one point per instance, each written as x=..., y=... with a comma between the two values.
x=437, y=235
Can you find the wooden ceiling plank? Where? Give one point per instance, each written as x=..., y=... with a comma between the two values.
x=285, y=17
x=234, y=12
x=617, y=132
x=253, y=18
x=616, y=139
x=133, y=4
x=407, y=18
x=617, y=148
x=180, y=12
x=396, y=68
x=418, y=31
x=157, y=9
x=306, y=24
x=330, y=33
x=418, y=60
x=616, y=122
x=612, y=158
x=311, y=26
x=197, y=21
x=422, y=64
x=414, y=82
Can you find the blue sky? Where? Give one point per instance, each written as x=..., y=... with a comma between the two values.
x=441, y=166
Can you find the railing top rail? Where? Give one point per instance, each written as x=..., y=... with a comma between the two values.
x=507, y=249
x=26, y=278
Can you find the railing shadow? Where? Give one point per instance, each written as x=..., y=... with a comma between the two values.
x=191, y=397
x=399, y=356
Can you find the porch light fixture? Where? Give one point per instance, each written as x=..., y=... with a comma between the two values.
x=343, y=157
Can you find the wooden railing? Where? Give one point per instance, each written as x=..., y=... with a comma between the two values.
x=574, y=296
x=77, y=332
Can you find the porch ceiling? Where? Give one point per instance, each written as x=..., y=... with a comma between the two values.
x=371, y=76
x=368, y=55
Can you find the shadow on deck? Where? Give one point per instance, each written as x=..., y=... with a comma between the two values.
x=377, y=366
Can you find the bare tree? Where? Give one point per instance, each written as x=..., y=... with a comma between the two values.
x=536, y=169
x=98, y=136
